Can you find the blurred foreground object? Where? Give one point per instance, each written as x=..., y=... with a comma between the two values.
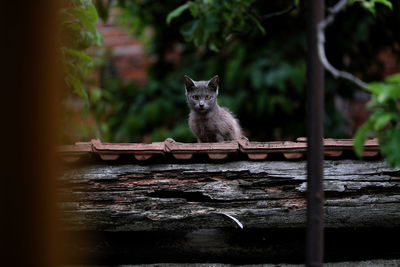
x=29, y=85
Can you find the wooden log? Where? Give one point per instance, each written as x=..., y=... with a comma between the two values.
x=268, y=194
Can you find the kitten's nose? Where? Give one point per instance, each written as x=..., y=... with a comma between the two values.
x=201, y=104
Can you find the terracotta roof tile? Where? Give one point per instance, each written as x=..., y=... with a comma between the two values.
x=333, y=148
x=112, y=151
x=260, y=150
x=336, y=147
x=213, y=150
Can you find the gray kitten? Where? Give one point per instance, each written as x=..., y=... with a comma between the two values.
x=208, y=121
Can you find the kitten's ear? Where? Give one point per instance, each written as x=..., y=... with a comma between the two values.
x=213, y=83
x=188, y=83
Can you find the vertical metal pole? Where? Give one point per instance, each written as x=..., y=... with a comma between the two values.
x=315, y=114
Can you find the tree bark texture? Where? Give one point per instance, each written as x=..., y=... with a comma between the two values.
x=259, y=195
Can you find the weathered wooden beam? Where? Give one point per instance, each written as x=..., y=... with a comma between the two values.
x=268, y=194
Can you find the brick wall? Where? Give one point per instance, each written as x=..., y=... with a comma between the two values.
x=127, y=54
x=390, y=63
x=354, y=111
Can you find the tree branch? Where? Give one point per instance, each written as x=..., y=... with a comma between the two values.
x=279, y=13
x=266, y=16
x=321, y=46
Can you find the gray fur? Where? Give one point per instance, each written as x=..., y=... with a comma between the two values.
x=208, y=121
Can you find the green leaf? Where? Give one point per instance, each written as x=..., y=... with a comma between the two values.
x=373, y=103
x=75, y=37
x=87, y=16
x=385, y=91
x=79, y=55
x=189, y=29
x=370, y=4
x=194, y=9
x=258, y=24
x=176, y=12
x=103, y=9
x=382, y=120
x=82, y=3
x=395, y=78
x=210, y=23
x=385, y=2
x=98, y=38
x=78, y=88
x=213, y=47
x=95, y=95
x=391, y=146
x=85, y=39
x=360, y=136
x=375, y=87
x=390, y=92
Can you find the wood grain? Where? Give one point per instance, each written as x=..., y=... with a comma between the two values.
x=269, y=194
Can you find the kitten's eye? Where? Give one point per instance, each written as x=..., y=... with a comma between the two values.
x=195, y=97
x=208, y=97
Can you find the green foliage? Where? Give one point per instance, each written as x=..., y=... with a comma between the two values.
x=176, y=12
x=391, y=146
x=370, y=4
x=214, y=21
x=384, y=122
x=103, y=8
x=262, y=75
x=78, y=33
x=125, y=113
x=261, y=79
